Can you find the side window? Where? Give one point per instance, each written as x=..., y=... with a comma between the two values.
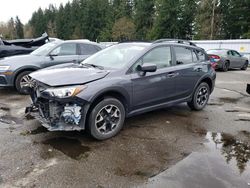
x=201, y=55
x=230, y=53
x=65, y=49
x=236, y=54
x=160, y=56
x=88, y=49
x=183, y=55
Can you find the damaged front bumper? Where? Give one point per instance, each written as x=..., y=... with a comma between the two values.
x=58, y=114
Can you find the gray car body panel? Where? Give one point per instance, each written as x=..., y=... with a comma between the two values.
x=235, y=61
x=142, y=93
x=32, y=62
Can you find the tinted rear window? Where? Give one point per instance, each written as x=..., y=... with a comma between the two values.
x=88, y=49
x=183, y=55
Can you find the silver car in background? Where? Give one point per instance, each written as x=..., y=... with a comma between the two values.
x=227, y=59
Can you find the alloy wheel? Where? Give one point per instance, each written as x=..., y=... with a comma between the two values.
x=107, y=119
x=202, y=96
x=26, y=81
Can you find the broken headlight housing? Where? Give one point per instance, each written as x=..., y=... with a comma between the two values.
x=65, y=92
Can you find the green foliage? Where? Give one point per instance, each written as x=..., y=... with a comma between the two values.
x=123, y=30
x=109, y=20
x=144, y=18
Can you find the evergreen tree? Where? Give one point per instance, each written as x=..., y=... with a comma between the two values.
x=187, y=12
x=208, y=20
x=19, y=28
x=144, y=18
x=11, y=29
x=166, y=22
x=38, y=23
x=235, y=18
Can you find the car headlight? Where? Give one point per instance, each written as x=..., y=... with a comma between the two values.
x=4, y=68
x=64, y=92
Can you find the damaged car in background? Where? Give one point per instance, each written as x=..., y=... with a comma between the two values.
x=22, y=46
x=15, y=70
x=118, y=82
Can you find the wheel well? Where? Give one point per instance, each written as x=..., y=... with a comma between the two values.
x=114, y=94
x=208, y=81
x=21, y=71
x=101, y=97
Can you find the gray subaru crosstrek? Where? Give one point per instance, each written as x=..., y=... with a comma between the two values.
x=118, y=82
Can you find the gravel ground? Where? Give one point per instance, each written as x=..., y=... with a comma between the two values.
x=151, y=146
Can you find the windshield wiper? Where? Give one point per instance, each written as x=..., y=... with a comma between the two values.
x=93, y=65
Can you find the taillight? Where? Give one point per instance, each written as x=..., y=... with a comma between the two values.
x=214, y=58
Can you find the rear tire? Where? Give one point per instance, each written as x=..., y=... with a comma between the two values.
x=225, y=66
x=200, y=97
x=106, y=119
x=245, y=66
x=20, y=82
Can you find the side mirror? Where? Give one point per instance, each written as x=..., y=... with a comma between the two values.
x=52, y=56
x=147, y=67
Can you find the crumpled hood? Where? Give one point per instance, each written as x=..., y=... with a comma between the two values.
x=70, y=74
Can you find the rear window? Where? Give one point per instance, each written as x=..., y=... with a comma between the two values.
x=183, y=55
x=201, y=55
x=88, y=49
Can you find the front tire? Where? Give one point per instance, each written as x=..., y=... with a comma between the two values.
x=23, y=80
x=106, y=119
x=225, y=66
x=200, y=97
x=244, y=66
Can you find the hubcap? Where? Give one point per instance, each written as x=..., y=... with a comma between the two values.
x=26, y=81
x=202, y=96
x=107, y=119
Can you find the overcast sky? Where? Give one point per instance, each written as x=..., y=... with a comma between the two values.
x=24, y=8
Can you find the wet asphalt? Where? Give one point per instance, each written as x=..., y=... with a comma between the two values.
x=172, y=147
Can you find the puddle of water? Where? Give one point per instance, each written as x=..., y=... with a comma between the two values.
x=70, y=147
x=234, y=151
x=229, y=100
x=225, y=163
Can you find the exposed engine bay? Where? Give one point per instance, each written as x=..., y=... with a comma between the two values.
x=56, y=115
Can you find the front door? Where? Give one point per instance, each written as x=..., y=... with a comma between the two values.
x=64, y=53
x=157, y=87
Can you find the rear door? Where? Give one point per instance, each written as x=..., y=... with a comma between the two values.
x=154, y=87
x=190, y=65
x=64, y=53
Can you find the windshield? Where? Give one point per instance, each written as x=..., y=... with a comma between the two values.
x=116, y=56
x=217, y=52
x=45, y=49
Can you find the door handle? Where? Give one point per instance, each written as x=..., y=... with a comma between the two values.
x=172, y=74
x=198, y=69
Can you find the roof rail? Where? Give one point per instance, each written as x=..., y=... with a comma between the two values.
x=175, y=40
